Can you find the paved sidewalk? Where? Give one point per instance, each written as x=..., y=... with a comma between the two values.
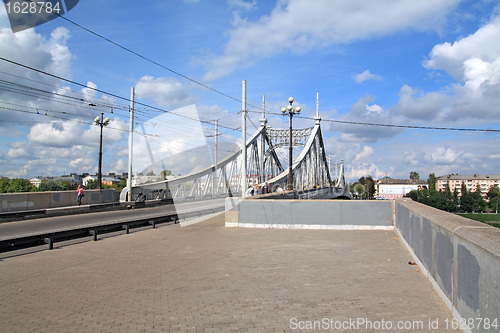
x=208, y=278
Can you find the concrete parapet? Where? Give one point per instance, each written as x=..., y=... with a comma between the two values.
x=13, y=202
x=461, y=257
x=309, y=214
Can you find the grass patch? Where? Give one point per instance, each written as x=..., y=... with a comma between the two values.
x=491, y=219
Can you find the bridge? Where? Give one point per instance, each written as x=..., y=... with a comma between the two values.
x=367, y=266
x=262, y=164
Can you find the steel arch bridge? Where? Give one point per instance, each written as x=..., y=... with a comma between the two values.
x=310, y=169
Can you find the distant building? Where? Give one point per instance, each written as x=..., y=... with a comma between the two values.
x=388, y=188
x=106, y=180
x=485, y=182
x=89, y=178
x=110, y=181
x=36, y=181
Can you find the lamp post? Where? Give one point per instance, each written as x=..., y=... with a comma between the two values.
x=101, y=121
x=291, y=111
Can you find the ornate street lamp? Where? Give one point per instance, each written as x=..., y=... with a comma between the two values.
x=291, y=112
x=101, y=121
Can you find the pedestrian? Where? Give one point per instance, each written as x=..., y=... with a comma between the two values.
x=279, y=189
x=256, y=190
x=249, y=191
x=79, y=195
x=265, y=188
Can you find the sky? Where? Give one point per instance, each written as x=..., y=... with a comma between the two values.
x=413, y=64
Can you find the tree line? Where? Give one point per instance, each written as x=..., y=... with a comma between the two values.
x=17, y=185
x=457, y=201
x=461, y=200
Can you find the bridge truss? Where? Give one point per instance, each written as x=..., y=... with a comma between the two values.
x=310, y=169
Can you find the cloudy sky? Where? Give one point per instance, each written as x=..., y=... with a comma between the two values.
x=414, y=64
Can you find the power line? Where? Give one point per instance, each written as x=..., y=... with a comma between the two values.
x=107, y=93
x=410, y=126
x=253, y=111
x=389, y=125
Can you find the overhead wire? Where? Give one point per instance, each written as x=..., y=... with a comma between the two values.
x=50, y=114
x=389, y=125
x=239, y=100
x=40, y=93
x=104, y=92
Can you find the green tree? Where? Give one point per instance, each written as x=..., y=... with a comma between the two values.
x=432, y=181
x=466, y=200
x=433, y=198
x=166, y=173
x=370, y=184
x=19, y=185
x=479, y=202
x=68, y=186
x=493, y=197
x=360, y=189
x=92, y=185
x=414, y=175
x=49, y=185
x=121, y=185
x=4, y=185
x=369, y=187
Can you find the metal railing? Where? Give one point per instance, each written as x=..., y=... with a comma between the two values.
x=49, y=238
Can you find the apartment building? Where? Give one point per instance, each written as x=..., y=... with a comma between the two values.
x=471, y=182
x=389, y=188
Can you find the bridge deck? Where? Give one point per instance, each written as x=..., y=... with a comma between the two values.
x=205, y=277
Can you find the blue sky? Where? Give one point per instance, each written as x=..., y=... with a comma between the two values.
x=418, y=63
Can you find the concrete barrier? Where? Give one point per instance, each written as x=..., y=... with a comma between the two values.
x=309, y=214
x=13, y=202
x=460, y=257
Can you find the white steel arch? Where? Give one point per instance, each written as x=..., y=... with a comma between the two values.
x=310, y=169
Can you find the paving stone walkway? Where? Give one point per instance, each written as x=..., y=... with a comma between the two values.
x=208, y=278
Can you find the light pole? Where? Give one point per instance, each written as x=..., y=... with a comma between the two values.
x=101, y=121
x=291, y=112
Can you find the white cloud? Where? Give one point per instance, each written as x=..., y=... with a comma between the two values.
x=366, y=76
x=474, y=61
x=415, y=104
x=301, y=25
x=246, y=5
x=364, y=112
x=483, y=44
x=17, y=153
x=119, y=167
x=51, y=55
x=165, y=91
x=55, y=134
x=365, y=154
x=444, y=155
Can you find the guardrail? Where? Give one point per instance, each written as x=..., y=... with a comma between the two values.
x=48, y=212
x=49, y=238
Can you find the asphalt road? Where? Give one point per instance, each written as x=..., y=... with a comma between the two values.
x=16, y=229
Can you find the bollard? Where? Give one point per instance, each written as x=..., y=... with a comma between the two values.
x=93, y=233
x=49, y=241
x=153, y=223
x=126, y=228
